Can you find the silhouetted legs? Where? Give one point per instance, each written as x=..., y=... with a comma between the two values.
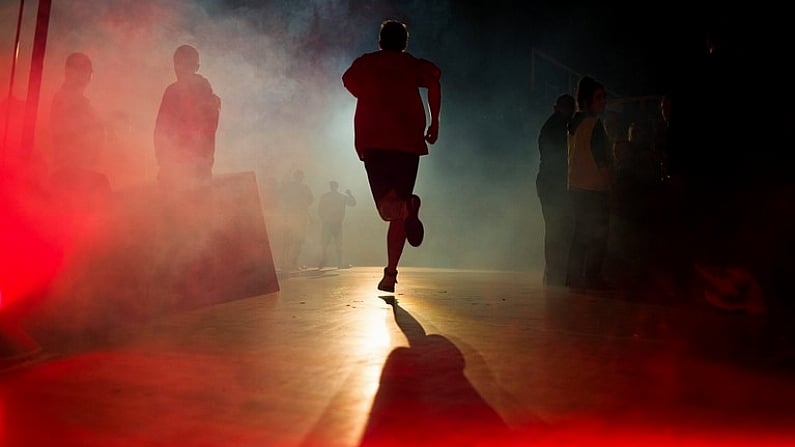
x=395, y=241
x=589, y=243
x=557, y=213
x=392, y=176
x=331, y=232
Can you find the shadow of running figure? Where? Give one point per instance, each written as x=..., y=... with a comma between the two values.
x=424, y=398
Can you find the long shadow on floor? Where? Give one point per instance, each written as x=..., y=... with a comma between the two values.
x=424, y=398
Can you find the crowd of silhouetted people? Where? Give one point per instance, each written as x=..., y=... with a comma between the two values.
x=696, y=203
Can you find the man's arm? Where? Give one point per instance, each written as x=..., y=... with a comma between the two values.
x=428, y=77
x=352, y=79
x=435, y=107
x=163, y=125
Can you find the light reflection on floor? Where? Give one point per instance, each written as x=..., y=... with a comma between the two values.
x=460, y=358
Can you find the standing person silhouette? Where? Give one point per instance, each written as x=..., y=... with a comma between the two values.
x=390, y=133
x=552, y=193
x=589, y=185
x=296, y=197
x=186, y=125
x=78, y=136
x=331, y=209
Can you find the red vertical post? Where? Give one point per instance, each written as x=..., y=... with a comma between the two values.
x=9, y=99
x=34, y=81
x=15, y=343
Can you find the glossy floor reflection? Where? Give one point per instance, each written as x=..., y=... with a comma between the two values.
x=453, y=358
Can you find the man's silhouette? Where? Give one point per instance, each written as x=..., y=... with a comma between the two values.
x=78, y=137
x=589, y=186
x=331, y=210
x=186, y=125
x=390, y=133
x=552, y=191
x=296, y=197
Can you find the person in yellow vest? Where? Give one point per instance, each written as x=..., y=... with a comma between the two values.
x=588, y=182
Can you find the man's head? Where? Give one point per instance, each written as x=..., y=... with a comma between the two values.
x=186, y=60
x=591, y=95
x=565, y=105
x=78, y=70
x=394, y=36
x=333, y=185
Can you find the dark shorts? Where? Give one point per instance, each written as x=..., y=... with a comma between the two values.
x=391, y=170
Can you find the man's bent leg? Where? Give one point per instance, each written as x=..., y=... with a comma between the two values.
x=391, y=207
x=414, y=229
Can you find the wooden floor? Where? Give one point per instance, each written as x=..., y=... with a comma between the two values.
x=464, y=358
